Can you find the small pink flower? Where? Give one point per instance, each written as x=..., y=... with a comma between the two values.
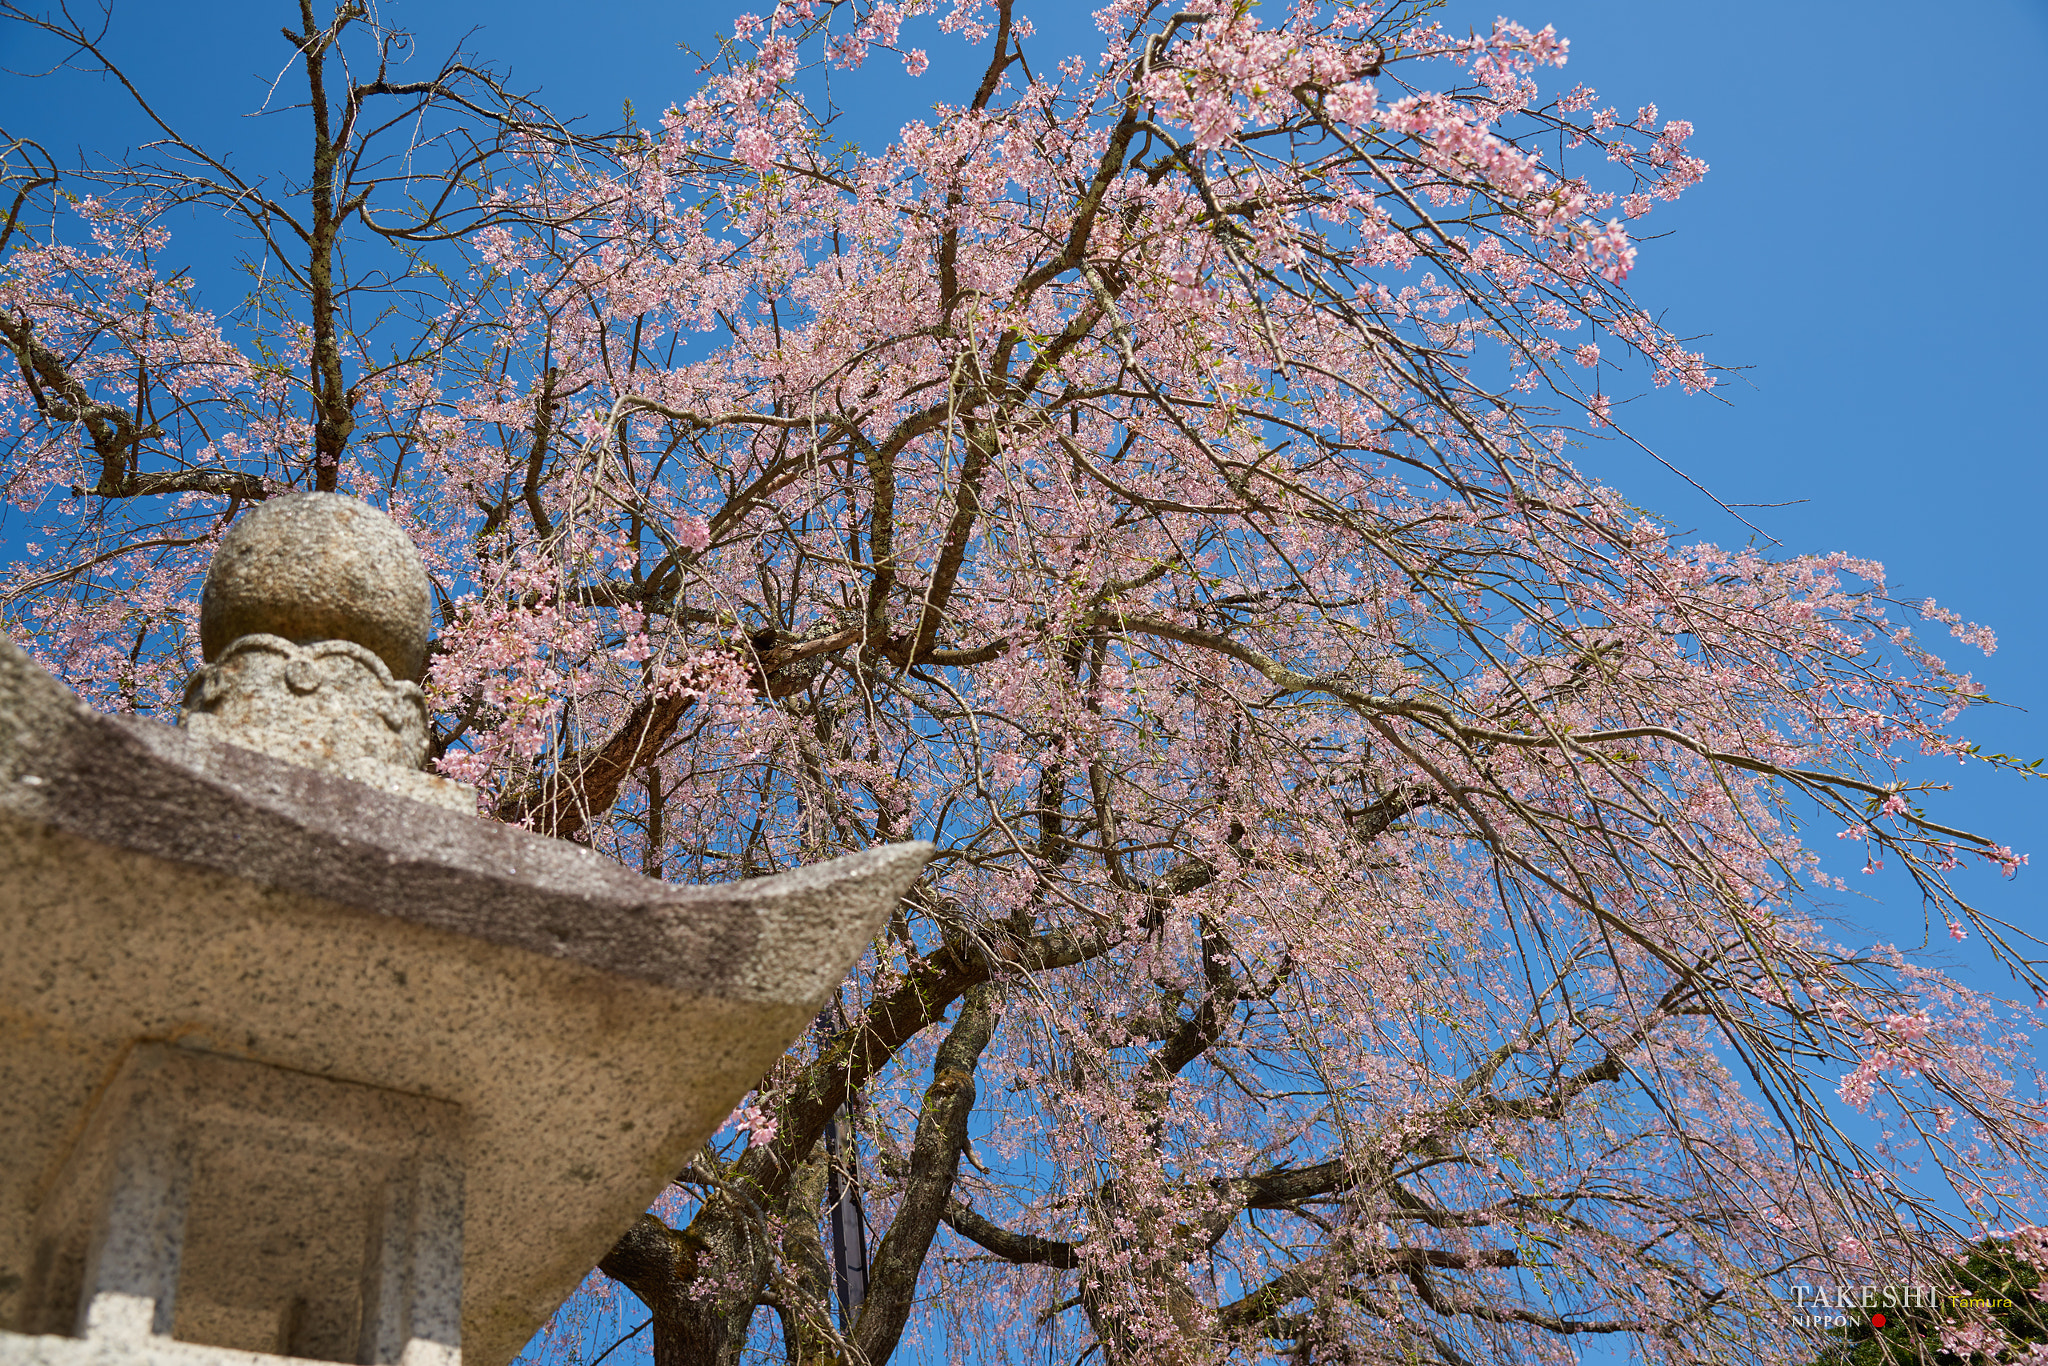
x=758, y=1127
x=755, y=147
x=691, y=533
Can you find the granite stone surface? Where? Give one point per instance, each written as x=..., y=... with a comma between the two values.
x=331, y=705
x=319, y=566
x=590, y=1026
x=254, y=1208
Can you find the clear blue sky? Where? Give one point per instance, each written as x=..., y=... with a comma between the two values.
x=1869, y=242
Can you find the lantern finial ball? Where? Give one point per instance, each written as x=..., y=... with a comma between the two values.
x=319, y=566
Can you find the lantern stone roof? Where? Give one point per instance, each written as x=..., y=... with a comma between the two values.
x=574, y=1030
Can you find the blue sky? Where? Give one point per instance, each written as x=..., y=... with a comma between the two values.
x=1869, y=244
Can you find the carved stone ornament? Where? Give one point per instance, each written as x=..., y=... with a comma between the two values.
x=330, y=601
x=332, y=701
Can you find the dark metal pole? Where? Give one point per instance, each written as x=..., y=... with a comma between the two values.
x=849, y=1221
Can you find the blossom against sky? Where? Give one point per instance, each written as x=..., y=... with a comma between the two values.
x=1861, y=245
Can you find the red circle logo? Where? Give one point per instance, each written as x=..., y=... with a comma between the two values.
x=1877, y=1320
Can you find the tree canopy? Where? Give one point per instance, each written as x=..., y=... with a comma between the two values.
x=1378, y=912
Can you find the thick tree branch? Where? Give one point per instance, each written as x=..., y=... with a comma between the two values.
x=1025, y=1249
x=586, y=786
x=934, y=1160
x=1304, y=1278
x=658, y=1264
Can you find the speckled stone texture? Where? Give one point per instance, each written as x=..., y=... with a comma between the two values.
x=331, y=705
x=591, y=1026
x=254, y=1208
x=319, y=566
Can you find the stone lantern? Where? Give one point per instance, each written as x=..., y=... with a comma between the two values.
x=299, y=1058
